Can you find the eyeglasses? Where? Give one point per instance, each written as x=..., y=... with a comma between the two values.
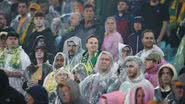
x=71, y=44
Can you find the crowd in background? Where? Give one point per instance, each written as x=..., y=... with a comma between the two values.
x=92, y=51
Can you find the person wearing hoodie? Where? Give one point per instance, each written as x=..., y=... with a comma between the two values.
x=37, y=71
x=135, y=38
x=79, y=72
x=8, y=94
x=67, y=93
x=112, y=38
x=135, y=75
x=116, y=97
x=152, y=64
x=59, y=61
x=93, y=86
x=124, y=51
x=140, y=94
x=73, y=51
x=166, y=74
x=37, y=95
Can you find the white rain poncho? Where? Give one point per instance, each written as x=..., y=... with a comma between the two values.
x=97, y=84
x=130, y=83
x=144, y=53
x=72, y=61
x=79, y=71
x=20, y=57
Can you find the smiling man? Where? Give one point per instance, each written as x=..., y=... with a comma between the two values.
x=90, y=56
x=148, y=41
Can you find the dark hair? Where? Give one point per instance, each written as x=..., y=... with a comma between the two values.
x=88, y=6
x=171, y=72
x=147, y=30
x=23, y=1
x=39, y=14
x=91, y=36
x=123, y=1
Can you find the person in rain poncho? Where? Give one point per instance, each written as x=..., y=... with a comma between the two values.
x=79, y=72
x=97, y=84
x=116, y=97
x=59, y=61
x=15, y=61
x=73, y=51
x=67, y=93
x=148, y=41
x=166, y=74
x=124, y=51
x=112, y=38
x=140, y=94
x=135, y=75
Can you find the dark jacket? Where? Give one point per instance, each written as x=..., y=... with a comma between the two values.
x=9, y=95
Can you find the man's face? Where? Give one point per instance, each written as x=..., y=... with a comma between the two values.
x=12, y=42
x=166, y=75
x=59, y=62
x=148, y=40
x=122, y=6
x=104, y=62
x=74, y=20
x=2, y=22
x=137, y=26
x=44, y=7
x=66, y=94
x=72, y=48
x=110, y=25
x=39, y=53
x=132, y=69
x=22, y=9
x=179, y=91
x=92, y=44
x=39, y=21
x=88, y=14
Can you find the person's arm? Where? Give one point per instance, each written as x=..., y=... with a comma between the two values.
x=163, y=31
x=14, y=73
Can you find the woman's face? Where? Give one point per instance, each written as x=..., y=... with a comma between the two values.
x=61, y=77
x=110, y=25
x=140, y=96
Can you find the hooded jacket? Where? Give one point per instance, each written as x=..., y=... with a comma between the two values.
x=49, y=82
x=159, y=89
x=75, y=59
x=93, y=86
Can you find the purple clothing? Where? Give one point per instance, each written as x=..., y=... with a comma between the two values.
x=110, y=44
x=151, y=75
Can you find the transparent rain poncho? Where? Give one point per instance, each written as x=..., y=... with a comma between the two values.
x=97, y=84
x=79, y=72
x=75, y=59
